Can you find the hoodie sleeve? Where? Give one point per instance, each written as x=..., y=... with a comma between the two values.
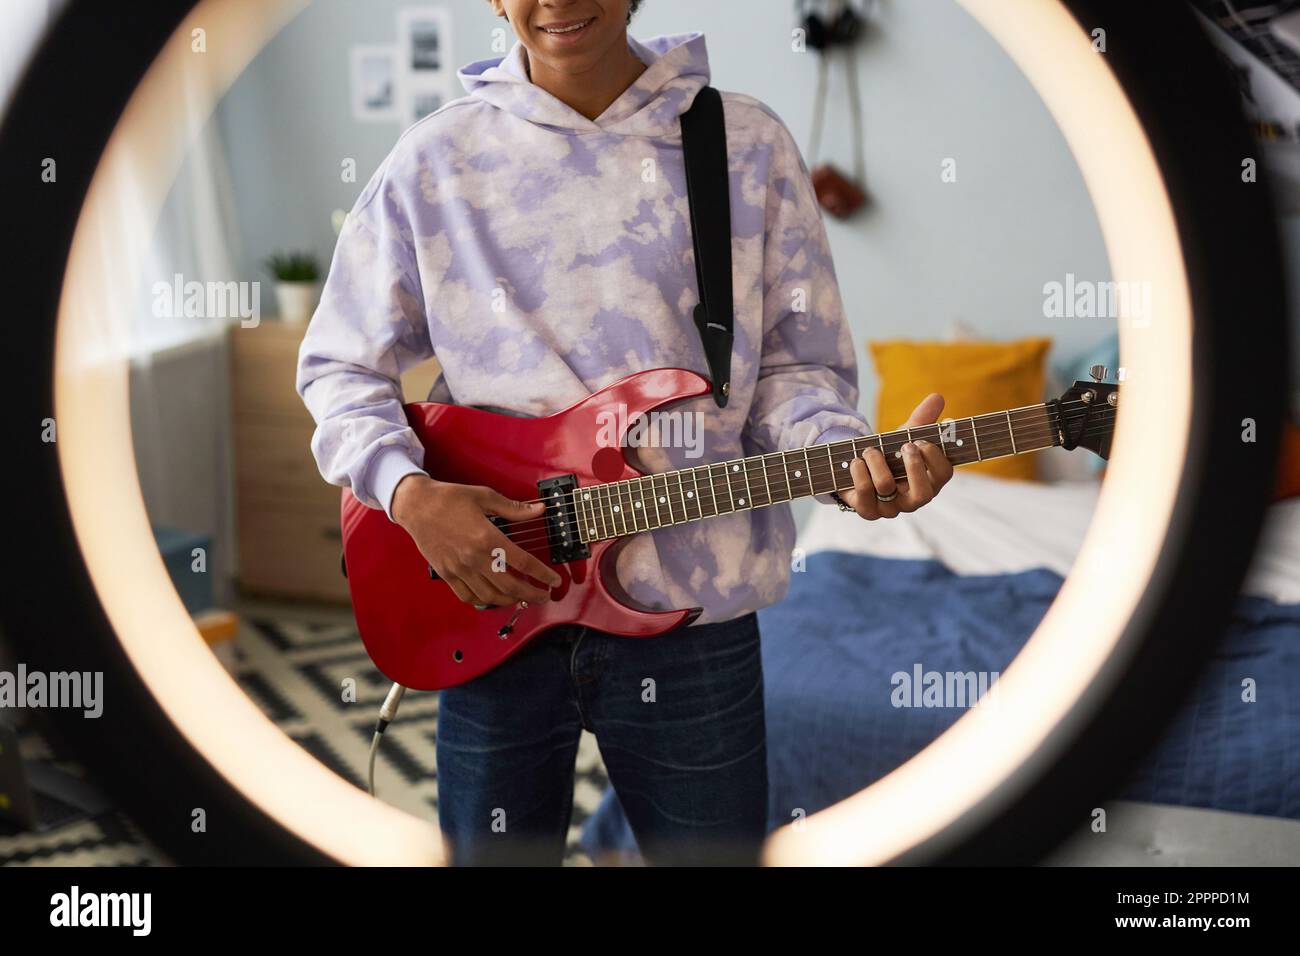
x=807, y=392
x=369, y=328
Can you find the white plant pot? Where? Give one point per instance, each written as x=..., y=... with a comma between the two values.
x=297, y=301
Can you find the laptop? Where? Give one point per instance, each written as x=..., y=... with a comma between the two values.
x=38, y=796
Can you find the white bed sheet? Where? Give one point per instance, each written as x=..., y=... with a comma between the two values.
x=986, y=525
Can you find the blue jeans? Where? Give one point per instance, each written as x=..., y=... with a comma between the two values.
x=679, y=722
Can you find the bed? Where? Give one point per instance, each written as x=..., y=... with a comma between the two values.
x=959, y=587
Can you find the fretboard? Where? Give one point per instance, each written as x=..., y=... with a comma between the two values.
x=706, y=491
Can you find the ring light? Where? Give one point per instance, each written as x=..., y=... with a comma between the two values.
x=1151, y=589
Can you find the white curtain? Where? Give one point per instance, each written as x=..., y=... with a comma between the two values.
x=180, y=402
x=196, y=237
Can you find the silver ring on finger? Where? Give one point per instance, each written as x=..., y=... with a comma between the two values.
x=889, y=497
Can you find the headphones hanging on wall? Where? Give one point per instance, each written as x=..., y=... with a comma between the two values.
x=841, y=25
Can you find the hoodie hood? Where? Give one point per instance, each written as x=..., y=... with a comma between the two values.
x=677, y=67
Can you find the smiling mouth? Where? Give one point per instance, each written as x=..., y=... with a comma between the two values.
x=566, y=29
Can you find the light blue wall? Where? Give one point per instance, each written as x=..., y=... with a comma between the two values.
x=934, y=85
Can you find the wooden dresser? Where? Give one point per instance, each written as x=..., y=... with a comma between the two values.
x=287, y=515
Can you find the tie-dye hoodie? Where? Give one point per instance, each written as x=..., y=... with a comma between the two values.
x=541, y=256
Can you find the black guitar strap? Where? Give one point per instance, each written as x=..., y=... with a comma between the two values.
x=704, y=145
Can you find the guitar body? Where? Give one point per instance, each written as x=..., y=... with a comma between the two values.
x=415, y=629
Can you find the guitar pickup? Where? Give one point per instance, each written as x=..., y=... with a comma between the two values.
x=561, y=517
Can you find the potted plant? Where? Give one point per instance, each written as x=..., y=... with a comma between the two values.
x=297, y=285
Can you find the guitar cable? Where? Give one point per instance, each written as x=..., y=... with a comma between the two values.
x=388, y=710
x=387, y=713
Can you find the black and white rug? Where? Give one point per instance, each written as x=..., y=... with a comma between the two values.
x=308, y=672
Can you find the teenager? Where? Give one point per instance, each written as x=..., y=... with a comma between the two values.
x=535, y=236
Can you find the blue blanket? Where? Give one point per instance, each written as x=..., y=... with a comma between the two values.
x=836, y=650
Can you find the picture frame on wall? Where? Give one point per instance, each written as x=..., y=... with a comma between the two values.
x=375, y=84
x=426, y=61
x=424, y=40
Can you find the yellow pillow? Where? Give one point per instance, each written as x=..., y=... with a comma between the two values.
x=973, y=378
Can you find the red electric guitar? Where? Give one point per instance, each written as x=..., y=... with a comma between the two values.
x=422, y=636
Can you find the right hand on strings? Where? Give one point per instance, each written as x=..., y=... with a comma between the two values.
x=449, y=524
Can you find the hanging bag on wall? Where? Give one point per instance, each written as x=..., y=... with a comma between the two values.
x=838, y=194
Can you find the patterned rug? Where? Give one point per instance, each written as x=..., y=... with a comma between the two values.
x=307, y=671
x=106, y=839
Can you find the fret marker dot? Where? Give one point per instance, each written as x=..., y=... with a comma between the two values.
x=662, y=499
x=798, y=474
x=960, y=440
x=844, y=464
x=690, y=494
x=593, y=530
x=742, y=501
x=616, y=508
x=735, y=468
x=586, y=497
x=637, y=504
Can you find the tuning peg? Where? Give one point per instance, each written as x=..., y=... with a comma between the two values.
x=1098, y=372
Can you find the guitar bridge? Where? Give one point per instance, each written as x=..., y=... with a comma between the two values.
x=561, y=519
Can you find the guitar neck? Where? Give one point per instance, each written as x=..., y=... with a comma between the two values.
x=689, y=494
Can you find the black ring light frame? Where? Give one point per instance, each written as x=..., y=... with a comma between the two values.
x=1188, y=108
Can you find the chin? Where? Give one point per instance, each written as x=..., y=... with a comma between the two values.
x=566, y=61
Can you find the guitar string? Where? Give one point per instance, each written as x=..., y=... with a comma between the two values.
x=1001, y=416
x=1025, y=432
x=609, y=525
x=617, y=494
x=606, y=513
x=605, y=520
x=601, y=511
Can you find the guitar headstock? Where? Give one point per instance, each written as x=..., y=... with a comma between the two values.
x=1088, y=411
